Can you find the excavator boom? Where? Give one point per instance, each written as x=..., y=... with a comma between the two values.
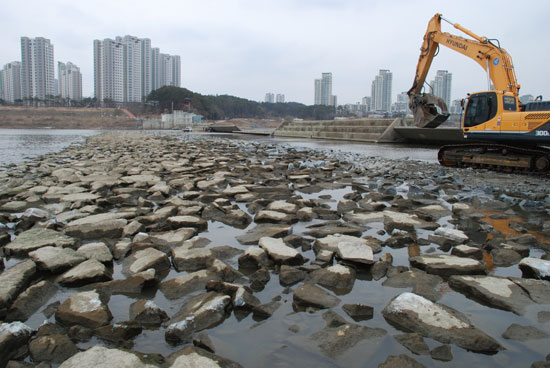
x=429, y=110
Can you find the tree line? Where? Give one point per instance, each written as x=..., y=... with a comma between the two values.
x=168, y=98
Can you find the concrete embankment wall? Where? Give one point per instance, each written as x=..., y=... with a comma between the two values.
x=364, y=130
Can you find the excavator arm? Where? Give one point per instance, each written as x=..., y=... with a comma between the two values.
x=492, y=58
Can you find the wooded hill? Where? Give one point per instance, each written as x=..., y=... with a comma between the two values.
x=228, y=107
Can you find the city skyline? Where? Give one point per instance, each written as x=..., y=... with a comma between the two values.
x=241, y=48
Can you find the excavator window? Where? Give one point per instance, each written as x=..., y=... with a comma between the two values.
x=481, y=108
x=509, y=103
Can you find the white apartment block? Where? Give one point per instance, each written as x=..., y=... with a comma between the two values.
x=381, y=91
x=70, y=81
x=108, y=70
x=128, y=69
x=269, y=97
x=441, y=86
x=280, y=98
x=11, y=82
x=323, y=91
x=169, y=70
x=37, y=68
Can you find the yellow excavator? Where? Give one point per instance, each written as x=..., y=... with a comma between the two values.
x=506, y=134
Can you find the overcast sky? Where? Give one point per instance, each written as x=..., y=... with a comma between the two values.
x=246, y=48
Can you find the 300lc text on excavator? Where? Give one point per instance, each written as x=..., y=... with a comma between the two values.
x=506, y=134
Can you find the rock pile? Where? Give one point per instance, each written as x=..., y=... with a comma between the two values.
x=193, y=232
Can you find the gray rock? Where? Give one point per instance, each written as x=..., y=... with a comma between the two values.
x=496, y=292
x=14, y=280
x=442, y=353
x=54, y=348
x=310, y=295
x=254, y=258
x=421, y=283
x=99, y=356
x=85, y=309
x=177, y=222
x=200, y=312
x=401, y=361
x=191, y=259
x=98, y=251
x=147, y=313
x=254, y=235
x=355, y=252
x=335, y=341
x=172, y=238
x=411, y=312
x=145, y=259
x=447, y=265
x=192, y=356
x=104, y=225
x=359, y=312
x=274, y=217
x=86, y=272
x=34, y=239
x=339, y=278
x=182, y=285
x=279, y=252
x=331, y=228
x=535, y=268
x=133, y=285
x=13, y=341
x=505, y=257
x=289, y=275
x=538, y=290
x=414, y=342
x=56, y=260
x=467, y=251
x=31, y=300
x=524, y=333
x=330, y=242
x=120, y=333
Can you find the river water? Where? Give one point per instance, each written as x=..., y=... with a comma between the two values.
x=18, y=145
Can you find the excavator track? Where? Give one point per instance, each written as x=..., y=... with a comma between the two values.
x=498, y=157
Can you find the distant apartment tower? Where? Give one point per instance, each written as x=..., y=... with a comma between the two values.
x=11, y=82
x=269, y=97
x=323, y=91
x=128, y=69
x=108, y=70
x=70, y=81
x=381, y=91
x=442, y=86
x=169, y=70
x=280, y=98
x=37, y=68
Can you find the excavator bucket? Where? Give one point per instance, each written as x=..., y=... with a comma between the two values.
x=429, y=111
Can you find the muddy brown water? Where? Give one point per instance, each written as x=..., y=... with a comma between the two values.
x=284, y=340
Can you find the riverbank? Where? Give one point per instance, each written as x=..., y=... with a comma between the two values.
x=65, y=118
x=258, y=254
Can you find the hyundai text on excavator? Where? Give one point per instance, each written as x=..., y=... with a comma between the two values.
x=507, y=135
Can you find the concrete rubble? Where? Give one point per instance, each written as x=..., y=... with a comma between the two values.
x=244, y=248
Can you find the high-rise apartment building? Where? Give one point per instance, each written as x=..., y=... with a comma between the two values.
x=37, y=68
x=381, y=91
x=269, y=97
x=280, y=98
x=128, y=69
x=442, y=86
x=11, y=82
x=323, y=91
x=169, y=70
x=108, y=70
x=70, y=81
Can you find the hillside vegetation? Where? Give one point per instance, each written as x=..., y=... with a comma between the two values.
x=227, y=107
